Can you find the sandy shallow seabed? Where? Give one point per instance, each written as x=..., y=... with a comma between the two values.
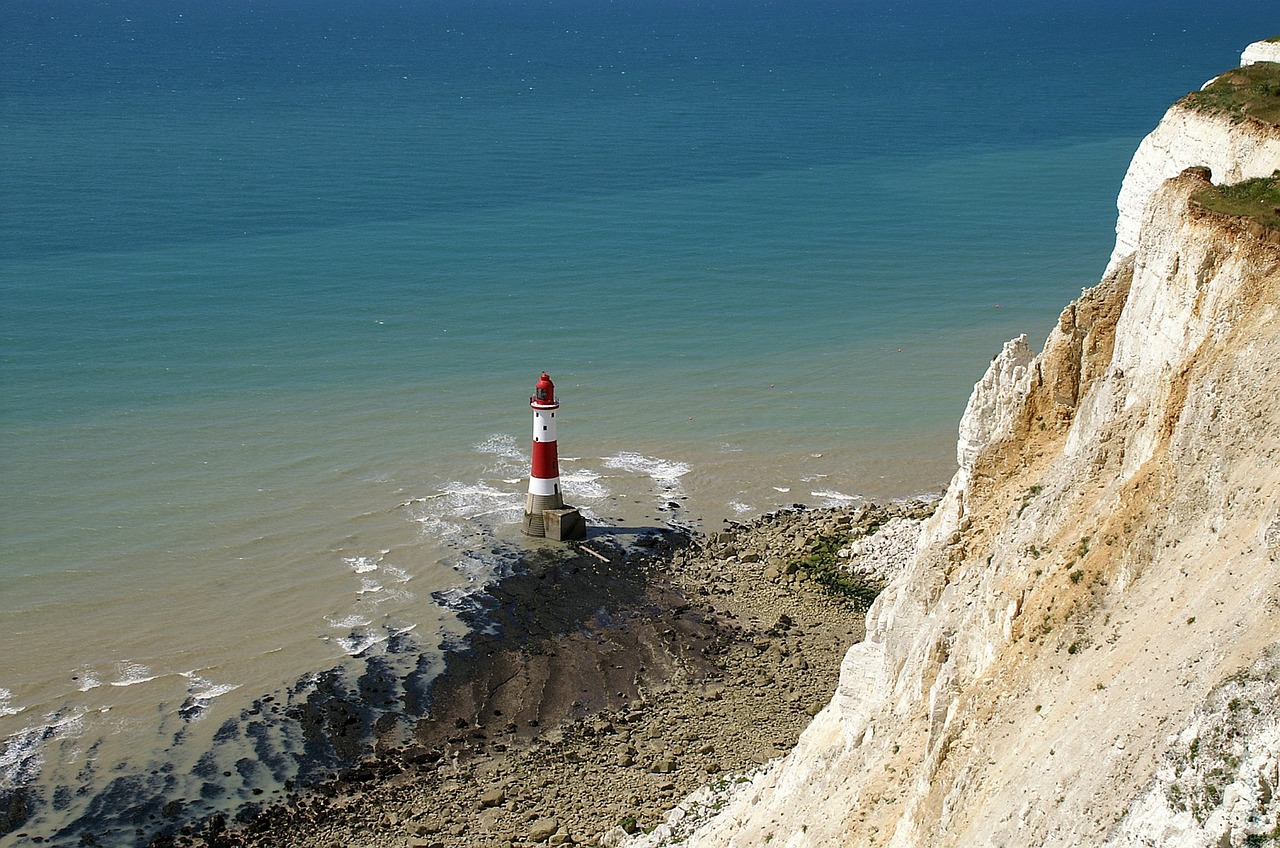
x=603, y=686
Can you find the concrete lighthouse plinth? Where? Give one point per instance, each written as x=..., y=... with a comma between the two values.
x=565, y=524
x=545, y=513
x=535, y=509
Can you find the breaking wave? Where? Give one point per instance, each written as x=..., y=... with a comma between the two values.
x=665, y=472
x=6, y=704
x=833, y=498
x=131, y=674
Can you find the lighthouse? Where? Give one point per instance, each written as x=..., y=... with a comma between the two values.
x=544, y=511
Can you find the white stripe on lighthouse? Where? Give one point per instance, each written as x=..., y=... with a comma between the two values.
x=544, y=426
x=543, y=486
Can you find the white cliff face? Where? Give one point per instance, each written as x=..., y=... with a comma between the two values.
x=1186, y=138
x=1085, y=649
x=995, y=400
x=1261, y=51
x=1183, y=139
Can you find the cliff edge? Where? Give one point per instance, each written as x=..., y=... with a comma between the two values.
x=1085, y=649
x=1234, y=145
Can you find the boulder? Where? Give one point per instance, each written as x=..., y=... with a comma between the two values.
x=543, y=829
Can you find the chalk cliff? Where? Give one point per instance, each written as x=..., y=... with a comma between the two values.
x=1261, y=51
x=1232, y=147
x=1085, y=649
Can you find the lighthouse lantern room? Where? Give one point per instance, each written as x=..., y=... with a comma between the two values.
x=545, y=513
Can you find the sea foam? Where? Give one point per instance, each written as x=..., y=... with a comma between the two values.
x=131, y=674
x=361, y=564
x=203, y=689
x=360, y=640
x=22, y=754
x=665, y=472
x=501, y=444
x=89, y=680
x=583, y=484
x=397, y=574
x=833, y=498
x=347, y=622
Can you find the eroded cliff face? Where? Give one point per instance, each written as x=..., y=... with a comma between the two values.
x=1231, y=148
x=1084, y=649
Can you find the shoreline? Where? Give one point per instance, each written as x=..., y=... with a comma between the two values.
x=599, y=687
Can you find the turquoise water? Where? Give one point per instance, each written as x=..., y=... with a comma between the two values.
x=277, y=284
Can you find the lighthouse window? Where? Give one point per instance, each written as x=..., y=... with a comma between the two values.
x=544, y=426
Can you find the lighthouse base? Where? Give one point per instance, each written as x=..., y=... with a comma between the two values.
x=534, y=507
x=546, y=515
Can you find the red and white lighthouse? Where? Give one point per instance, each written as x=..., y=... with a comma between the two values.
x=544, y=474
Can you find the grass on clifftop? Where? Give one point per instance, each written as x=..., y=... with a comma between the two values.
x=1258, y=199
x=1252, y=91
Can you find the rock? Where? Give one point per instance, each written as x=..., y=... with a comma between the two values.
x=613, y=838
x=493, y=797
x=543, y=829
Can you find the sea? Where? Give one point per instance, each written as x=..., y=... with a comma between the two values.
x=277, y=278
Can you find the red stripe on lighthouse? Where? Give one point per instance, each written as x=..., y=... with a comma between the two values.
x=545, y=464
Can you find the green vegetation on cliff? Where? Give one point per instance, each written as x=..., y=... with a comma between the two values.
x=1249, y=92
x=821, y=564
x=1258, y=199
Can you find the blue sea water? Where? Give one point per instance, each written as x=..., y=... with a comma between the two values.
x=276, y=280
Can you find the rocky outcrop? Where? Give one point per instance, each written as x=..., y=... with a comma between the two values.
x=1100, y=586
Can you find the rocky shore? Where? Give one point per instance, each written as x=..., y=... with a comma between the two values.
x=607, y=685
